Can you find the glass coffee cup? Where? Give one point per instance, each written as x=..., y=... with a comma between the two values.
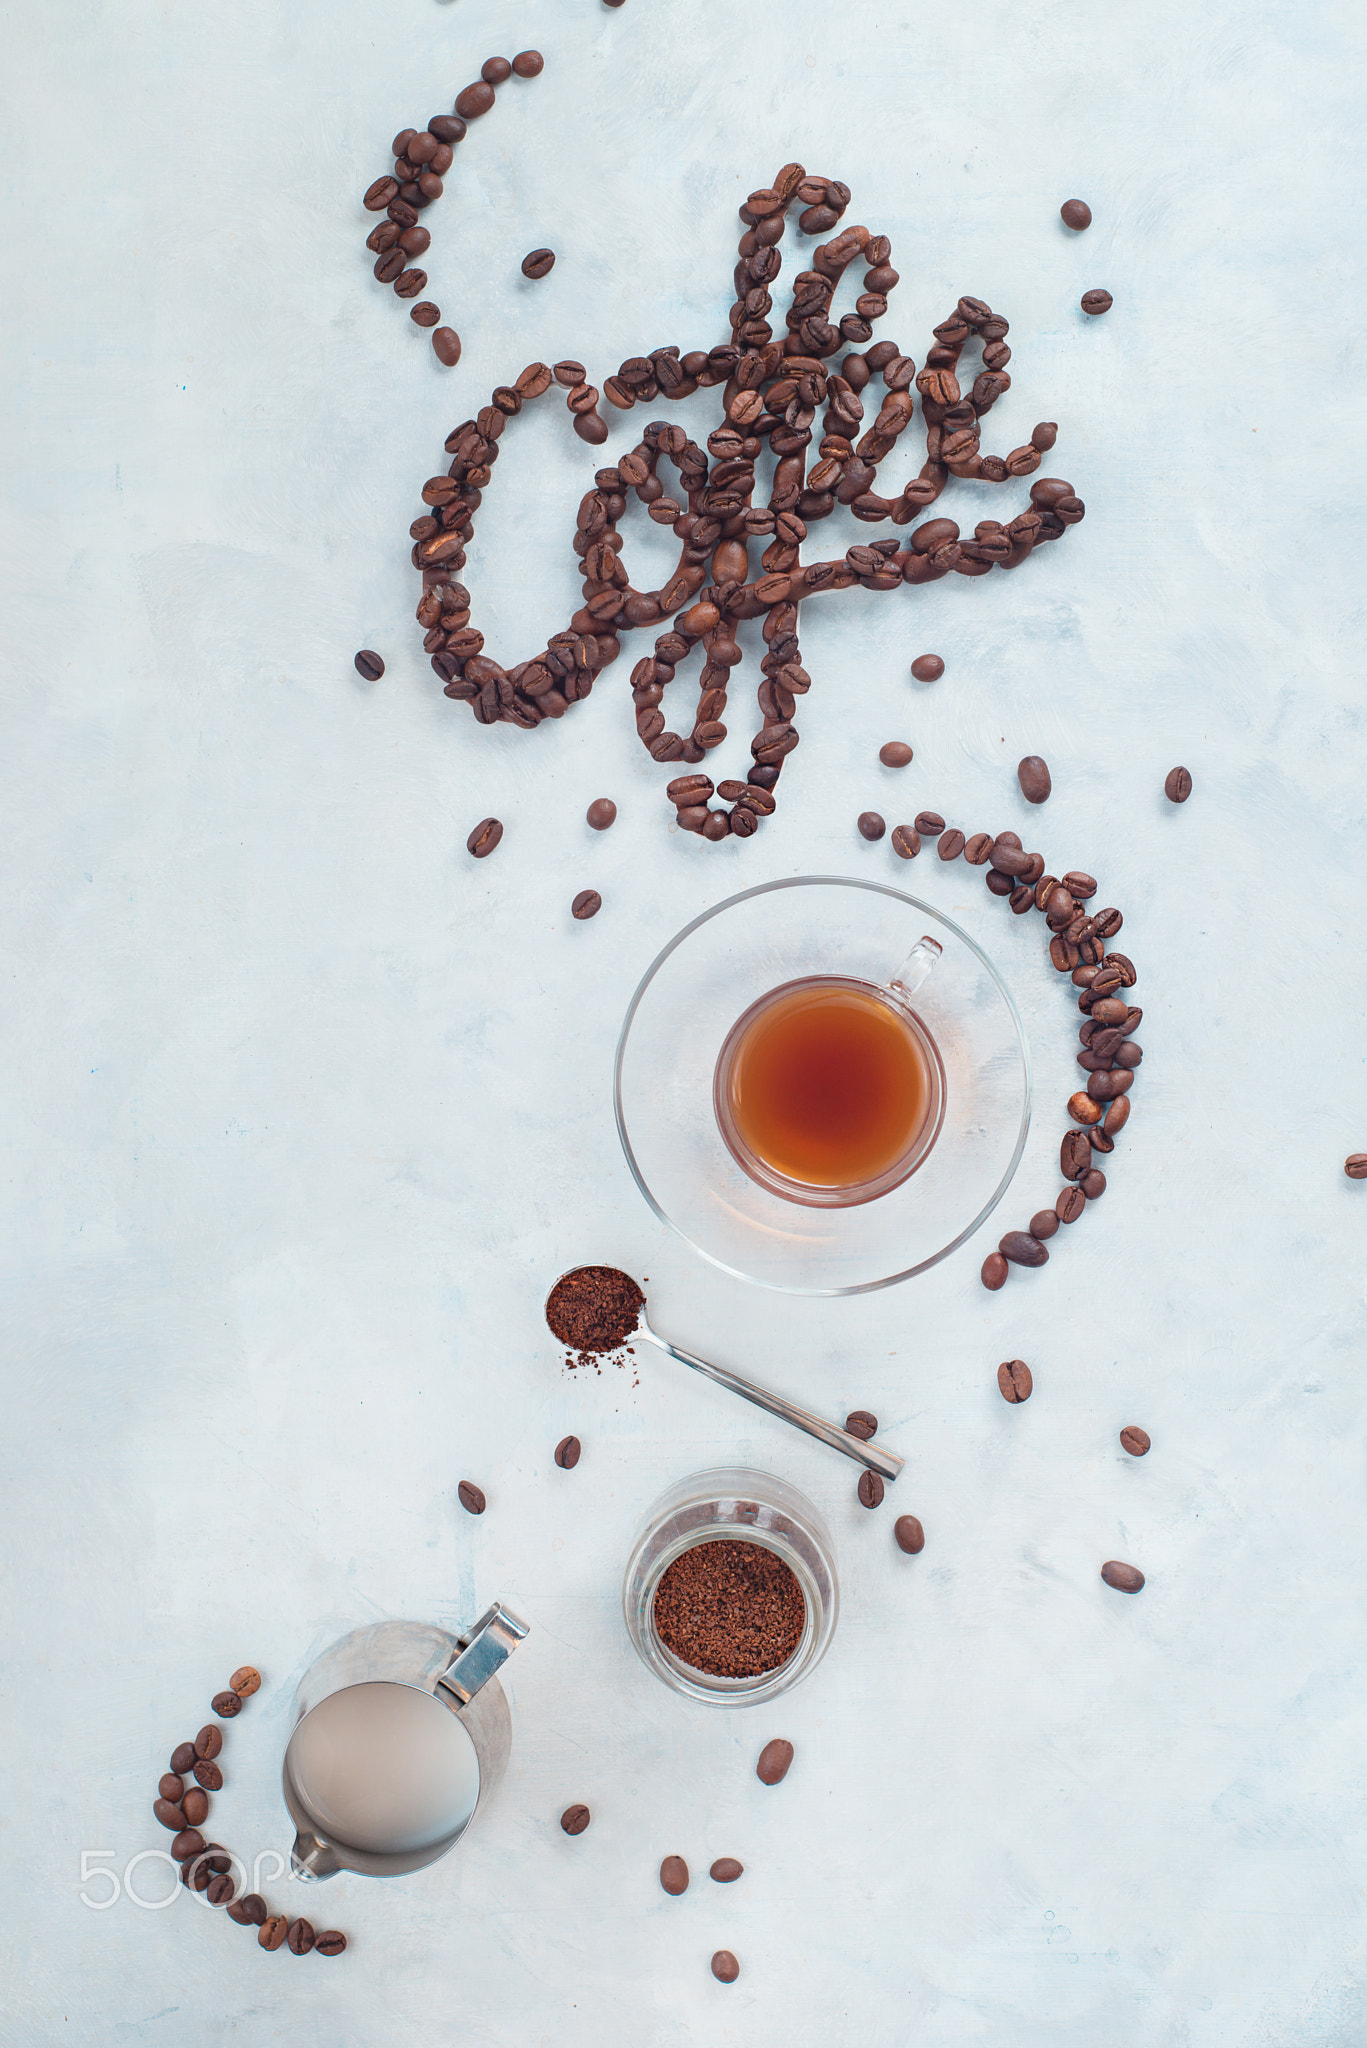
x=829, y=1089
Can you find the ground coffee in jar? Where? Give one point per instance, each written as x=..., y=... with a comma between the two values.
x=730, y=1608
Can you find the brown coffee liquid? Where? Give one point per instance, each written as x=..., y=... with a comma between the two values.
x=829, y=1086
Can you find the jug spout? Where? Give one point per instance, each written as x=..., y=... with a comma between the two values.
x=312, y=1858
x=490, y=1643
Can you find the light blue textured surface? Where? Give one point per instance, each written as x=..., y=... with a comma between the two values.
x=303, y=1109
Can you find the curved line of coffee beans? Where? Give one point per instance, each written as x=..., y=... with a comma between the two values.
x=771, y=393
x=422, y=157
x=207, y=1866
x=1110, y=1055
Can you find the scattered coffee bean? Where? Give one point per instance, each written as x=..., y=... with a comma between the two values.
x=170, y=1814
x=1044, y=436
x=978, y=849
x=1033, y=777
x=575, y=1819
x=1015, y=1380
x=906, y=841
x=195, y=1806
x=484, y=838
x=170, y=1786
x=424, y=314
x=601, y=813
x=859, y=1422
x=870, y=1489
x=330, y=1944
x=475, y=100
x=911, y=1537
x=1070, y=1204
x=380, y=194
x=567, y=1453
x=245, y=1681
x=587, y=903
x=226, y=1705
x=1177, y=785
x=187, y=1844
x=529, y=63
x=1355, y=1166
x=994, y=1271
x=1023, y=1250
x=369, y=665
x=446, y=343
x=1093, y=1183
x=471, y=1497
x=1076, y=214
x=217, y=1859
x=209, y=1742
x=273, y=1931
x=1136, y=1440
x=927, y=668
x=220, y=1891
x=929, y=824
x=1043, y=1224
x=725, y=1968
x=183, y=1757
x=774, y=1759
x=208, y=1774
x=951, y=844
x=1126, y=1578
x=249, y=1910
x=871, y=826
x=895, y=754
x=301, y=1937
x=495, y=70
x=1097, y=302
x=674, y=1876
x=726, y=1870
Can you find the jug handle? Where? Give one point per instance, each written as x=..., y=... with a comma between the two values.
x=490, y=1643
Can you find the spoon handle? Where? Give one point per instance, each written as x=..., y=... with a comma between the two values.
x=886, y=1463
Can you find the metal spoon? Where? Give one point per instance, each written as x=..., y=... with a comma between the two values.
x=886, y=1463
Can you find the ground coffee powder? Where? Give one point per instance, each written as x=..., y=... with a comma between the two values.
x=730, y=1608
x=592, y=1310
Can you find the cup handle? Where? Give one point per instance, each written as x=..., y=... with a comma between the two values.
x=490, y=1643
x=917, y=966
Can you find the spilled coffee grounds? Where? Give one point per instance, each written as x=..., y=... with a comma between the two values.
x=730, y=1608
x=592, y=1310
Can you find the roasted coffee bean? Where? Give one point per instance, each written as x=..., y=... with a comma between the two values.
x=674, y=1876
x=414, y=242
x=1023, y=1250
x=195, y=1807
x=567, y=1453
x=495, y=70
x=221, y=1890
x=273, y=1931
x=726, y=1870
x=410, y=284
x=226, y=1705
x=895, y=754
x=774, y=1759
x=587, y=903
x=529, y=63
x=425, y=314
x=1033, y=776
x=538, y=263
x=249, y=1910
x=978, y=849
x=389, y=266
x=471, y=1497
x=369, y=665
x=448, y=128
x=1099, y=1138
x=1083, y=1110
x=475, y=100
x=1093, y=1183
x=217, y=1859
x=575, y=1819
x=189, y=1842
x=927, y=668
x=725, y=1968
x=1044, y=436
x=170, y=1814
x=871, y=826
x=1043, y=1224
x=209, y=1741
x=1076, y=214
x=1075, y=1156
x=994, y=1271
x=951, y=844
x=1096, y=302
x=208, y=1774
x=911, y=1537
x=601, y=813
x=301, y=1937
x=1071, y=1201
x=183, y=1758
x=1110, y=1010
x=1355, y=1166
x=689, y=790
x=906, y=841
x=1126, y=1578
x=170, y=1786
x=1014, y=1379
x=870, y=1489
x=330, y=1944
x=446, y=343
x=859, y=1422
x=245, y=1681
x=1129, y=1054
x=484, y=838
x=929, y=824
x=380, y=194
x=1177, y=785
x=1135, y=1440
x=196, y=1875
x=1080, y=886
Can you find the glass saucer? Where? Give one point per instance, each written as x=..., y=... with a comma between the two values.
x=679, y=1017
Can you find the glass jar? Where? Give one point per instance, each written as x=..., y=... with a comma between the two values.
x=732, y=1504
